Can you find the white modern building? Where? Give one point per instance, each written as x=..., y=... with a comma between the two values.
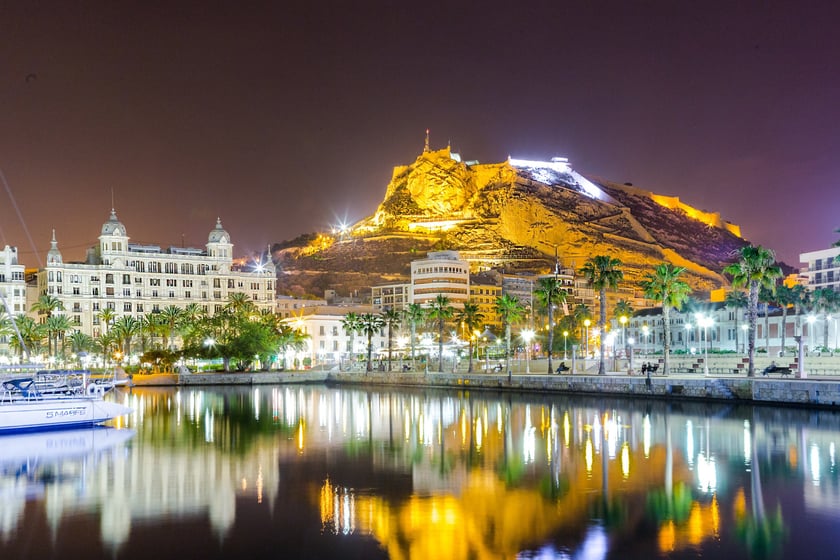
x=12, y=292
x=441, y=273
x=822, y=269
x=328, y=342
x=134, y=280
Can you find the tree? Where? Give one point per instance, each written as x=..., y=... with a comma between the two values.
x=785, y=298
x=392, y=319
x=170, y=317
x=369, y=325
x=756, y=268
x=766, y=296
x=825, y=302
x=602, y=272
x=107, y=316
x=441, y=311
x=47, y=305
x=29, y=339
x=124, y=330
x=55, y=327
x=664, y=285
x=510, y=311
x=415, y=314
x=351, y=325
x=737, y=300
x=472, y=318
x=550, y=292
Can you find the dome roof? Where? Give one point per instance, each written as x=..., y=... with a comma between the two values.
x=113, y=225
x=54, y=255
x=218, y=234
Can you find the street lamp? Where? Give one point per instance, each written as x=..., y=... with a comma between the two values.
x=744, y=328
x=705, y=321
x=623, y=321
x=565, y=338
x=586, y=323
x=527, y=336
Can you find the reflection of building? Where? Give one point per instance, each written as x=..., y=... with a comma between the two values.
x=135, y=280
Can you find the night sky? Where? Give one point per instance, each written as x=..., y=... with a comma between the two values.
x=286, y=117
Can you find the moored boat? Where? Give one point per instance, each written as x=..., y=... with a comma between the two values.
x=24, y=408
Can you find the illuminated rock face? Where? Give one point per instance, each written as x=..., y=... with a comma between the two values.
x=515, y=213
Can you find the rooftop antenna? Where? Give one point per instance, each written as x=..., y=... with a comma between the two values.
x=426, y=147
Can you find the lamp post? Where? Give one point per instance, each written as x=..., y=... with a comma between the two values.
x=630, y=342
x=527, y=336
x=565, y=338
x=586, y=323
x=705, y=321
x=744, y=332
x=623, y=321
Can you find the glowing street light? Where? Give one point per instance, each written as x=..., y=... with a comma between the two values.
x=586, y=323
x=565, y=338
x=527, y=336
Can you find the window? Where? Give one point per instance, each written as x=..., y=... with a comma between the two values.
x=95, y=291
x=231, y=284
x=172, y=293
x=187, y=294
x=321, y=330
x=126, y=279
x=139, y=308
x=154, y=293
x=335, y=332
x=171, y=282
x=217, y=282
x=109, y=291
x=76, y=291
x=127, y=306
x=154, y=282
x=127, y=292
x=170, y=268
x=154, y=267
x=187, y=283
x=109, y=278
x=96, y=306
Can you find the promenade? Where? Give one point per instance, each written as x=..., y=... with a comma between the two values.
x=821, y=390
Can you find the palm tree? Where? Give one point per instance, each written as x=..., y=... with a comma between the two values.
x=125, y=328
x=471, y=318
x=441, y=311
x=825, y=301
x=170, y=317
x=510, y=311
x=550, y=292
x=370, y=324
x=785, y=298
x=55, y=327
x=767, y=295
x=351, y=325
x=80, y=342
x=755, y=269
x=29, y=337
x=602, y=272
x=46, y=305
x=107, y=316
x=737, y=300
x=392, y=319
x=240, y=304
x=664, y=285
x=414, y=315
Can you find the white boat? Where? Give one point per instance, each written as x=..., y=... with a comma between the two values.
x=23, y=408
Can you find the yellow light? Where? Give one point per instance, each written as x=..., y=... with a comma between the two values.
x=625, y=460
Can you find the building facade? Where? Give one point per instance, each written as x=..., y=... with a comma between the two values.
x=135, y=280
x=822, y=269
x=441, y=273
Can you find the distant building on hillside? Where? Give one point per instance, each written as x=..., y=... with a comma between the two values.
x=441, y=273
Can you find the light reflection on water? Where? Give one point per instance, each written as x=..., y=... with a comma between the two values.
x=342, y=473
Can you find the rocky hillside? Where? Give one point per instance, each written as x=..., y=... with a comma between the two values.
x=512, y=216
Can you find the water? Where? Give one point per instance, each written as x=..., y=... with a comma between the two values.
x=316, y=472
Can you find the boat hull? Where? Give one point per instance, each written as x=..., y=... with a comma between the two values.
x=55, y=414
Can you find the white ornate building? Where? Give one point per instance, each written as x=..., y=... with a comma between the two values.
x=135, y=280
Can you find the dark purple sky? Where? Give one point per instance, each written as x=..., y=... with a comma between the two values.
x=285, y=117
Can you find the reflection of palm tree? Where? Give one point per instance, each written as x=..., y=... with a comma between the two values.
x=761, y=533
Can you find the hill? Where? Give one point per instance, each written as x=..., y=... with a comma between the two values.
x=509, y=216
